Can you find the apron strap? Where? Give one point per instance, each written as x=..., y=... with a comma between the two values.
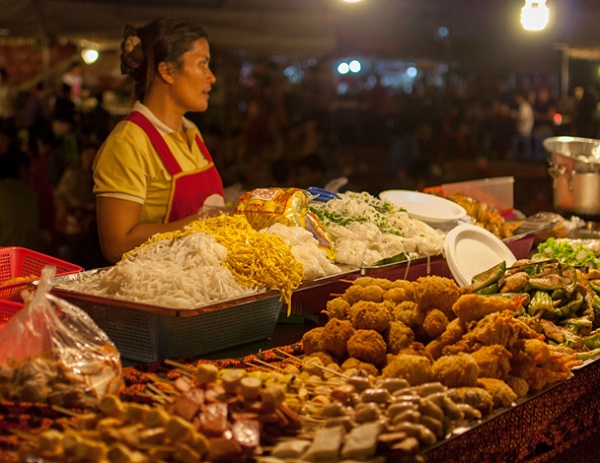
x=157, y=141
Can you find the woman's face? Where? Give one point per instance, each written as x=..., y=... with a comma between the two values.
x=192, y=82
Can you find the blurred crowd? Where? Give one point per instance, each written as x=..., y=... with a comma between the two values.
x=263, y=129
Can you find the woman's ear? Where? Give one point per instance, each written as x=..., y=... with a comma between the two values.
x=166, y=71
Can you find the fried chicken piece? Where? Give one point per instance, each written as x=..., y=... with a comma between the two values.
x=434, y=348
x=435, y=292
x=368, y=315
x=493, y=361
x=476, y=397
x=454, y=331
x=398, y=336
x=472, y=307
x=417, y=348
x=541, y=364
x=519, y=386
x=313, y=341
x=409, y=313
x=335, y=335
x=502, y=394
x=352, y=363
x=383, y=283
x=456, y=370
x=368, y=346
x=416, y=369
x=338, y=307
x=435, y=323
x=496, y=328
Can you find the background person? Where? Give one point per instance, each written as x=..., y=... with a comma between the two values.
x=153, y=173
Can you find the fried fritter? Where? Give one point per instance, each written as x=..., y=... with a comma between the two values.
x=338, y=307
x=493, y=361
x=435, y=292
x=400, y=292
x=353, y=294
x=335, y=335
x=368, y=346
x=456, y=370
x=434, y=348
x=519, y=386
x=313, y=341
x=502, y=394
x=409, y=313
x=367, y=315
x=417, y=348
x=471, y=307
x=416, y=369
x=435, y=323
x=398, y=336
x=476, y=397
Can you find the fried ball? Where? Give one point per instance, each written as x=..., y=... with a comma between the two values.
x=417, y=348
x=383, y=283
x=409, y=313
x=456, y=370
x=416, y=369
x=338, y=307
x=454, y=332
x=435, y=323
x=368, y=315
x=352, y=363
x=434, y=348
x=399, y=294
x=354, y=293
x=373, y=293
x=493, y=361
x=398, y=336
x=502, y=394
x=435, y=292
x=368, y=346
x=313, y=340
x=335, y=335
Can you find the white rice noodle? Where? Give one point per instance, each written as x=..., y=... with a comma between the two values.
x=306, y=250
x=185, y=273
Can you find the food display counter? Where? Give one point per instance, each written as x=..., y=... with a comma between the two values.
x=286, y=376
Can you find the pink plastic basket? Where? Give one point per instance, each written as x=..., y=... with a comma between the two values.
x=17, y=262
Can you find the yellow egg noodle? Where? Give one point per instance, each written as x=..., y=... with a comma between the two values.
x=367, y=229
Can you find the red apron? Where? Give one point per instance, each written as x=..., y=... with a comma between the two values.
x=189, y=190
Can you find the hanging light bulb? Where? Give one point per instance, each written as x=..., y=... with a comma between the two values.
x=89, y=55
x=535, y=15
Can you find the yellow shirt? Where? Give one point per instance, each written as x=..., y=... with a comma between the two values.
x=128, y=167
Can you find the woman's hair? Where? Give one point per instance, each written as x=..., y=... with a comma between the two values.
x=163, y=40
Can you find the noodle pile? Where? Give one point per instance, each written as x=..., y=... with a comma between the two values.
x=182, y=274
x=255, y=259
x=366, y=229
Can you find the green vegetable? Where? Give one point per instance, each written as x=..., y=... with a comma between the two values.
x=578, y=256
x=540, y=302
x=488, y=278
x=402, y=257
x=576, y=325
x=593, y=340
x=570, y=308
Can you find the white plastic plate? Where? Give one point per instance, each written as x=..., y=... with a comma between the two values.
x=471, y=249
x=428, y=208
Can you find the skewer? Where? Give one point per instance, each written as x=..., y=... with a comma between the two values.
x=23, y=434
x=160, y=393
x=262, y=363
x=66, y=411
x=173, y=363
x=285, y=354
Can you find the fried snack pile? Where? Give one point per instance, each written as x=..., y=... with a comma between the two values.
x=485, y=215
x=431, y=330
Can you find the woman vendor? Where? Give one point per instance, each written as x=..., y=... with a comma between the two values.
x=153, y=173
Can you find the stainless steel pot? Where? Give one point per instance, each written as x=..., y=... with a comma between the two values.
x=575, y=170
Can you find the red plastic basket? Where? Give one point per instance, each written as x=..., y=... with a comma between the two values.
x=17, y=262
x=7, y=310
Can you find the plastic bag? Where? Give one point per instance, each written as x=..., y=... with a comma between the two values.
x=52, y=351
x=264, y=207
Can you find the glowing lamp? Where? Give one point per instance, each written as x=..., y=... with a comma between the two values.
x=535, y=15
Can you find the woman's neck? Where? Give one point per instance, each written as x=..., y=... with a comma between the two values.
x=163, y=108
